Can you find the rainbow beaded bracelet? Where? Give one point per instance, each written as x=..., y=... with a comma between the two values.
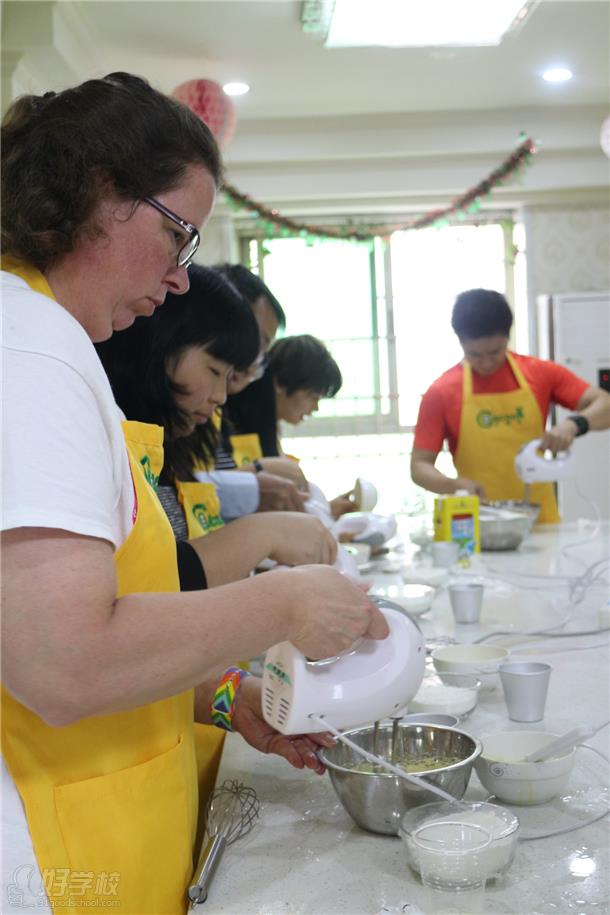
x=222, y=708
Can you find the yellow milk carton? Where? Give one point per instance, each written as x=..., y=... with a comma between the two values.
x=456, y=518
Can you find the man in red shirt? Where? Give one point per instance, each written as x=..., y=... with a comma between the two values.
x=492, y=403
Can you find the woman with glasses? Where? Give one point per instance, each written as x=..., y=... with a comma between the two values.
x=106, y=666
x=172, y=370
x=280, y=482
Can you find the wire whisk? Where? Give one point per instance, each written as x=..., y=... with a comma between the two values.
x=231, y=812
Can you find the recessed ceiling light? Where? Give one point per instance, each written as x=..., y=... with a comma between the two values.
x=557, y=75
x=235, y=88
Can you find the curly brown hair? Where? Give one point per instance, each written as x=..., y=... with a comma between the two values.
x=60, y=151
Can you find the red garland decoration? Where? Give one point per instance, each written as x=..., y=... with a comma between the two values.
x=470, y=199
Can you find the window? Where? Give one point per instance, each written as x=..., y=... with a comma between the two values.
x=334, y=290
x=384, y=312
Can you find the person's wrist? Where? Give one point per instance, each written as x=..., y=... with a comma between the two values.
x=580, y=423
x=224, y=701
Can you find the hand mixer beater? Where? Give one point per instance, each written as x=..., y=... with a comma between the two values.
x=231, y=812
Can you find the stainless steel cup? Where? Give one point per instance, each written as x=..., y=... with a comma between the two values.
x=466, y=601
x=525, y=687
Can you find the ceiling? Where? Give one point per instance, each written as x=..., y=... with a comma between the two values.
x=293, y=75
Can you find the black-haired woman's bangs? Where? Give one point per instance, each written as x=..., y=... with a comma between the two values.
x=238, y=346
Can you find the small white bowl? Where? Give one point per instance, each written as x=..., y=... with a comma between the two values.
x=446, y=694
x=523, y=783
x=365, y=495
x=424, y=575
x=481, y=660
x=415, y=599
x=421, y=537
x=444, y=721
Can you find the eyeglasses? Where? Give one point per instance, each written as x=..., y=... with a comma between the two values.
x=259, y=367
x=186, y=252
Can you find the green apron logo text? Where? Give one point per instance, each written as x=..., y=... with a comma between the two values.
x=208, y=521
x=151, y=478
x=488, y=420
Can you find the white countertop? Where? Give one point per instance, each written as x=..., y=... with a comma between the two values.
x=306, y=855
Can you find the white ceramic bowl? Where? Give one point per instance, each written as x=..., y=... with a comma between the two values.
x=421, y=537
x=524, y=783
x=365, y=495
x=444, y=721
x=446, y=694
x=481, y=660
x=415, y=599
x=424, y=575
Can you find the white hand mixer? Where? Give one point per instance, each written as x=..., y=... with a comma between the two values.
x=533, y=466
x=373, y=680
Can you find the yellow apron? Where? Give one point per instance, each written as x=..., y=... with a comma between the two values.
x=246, y=448
x=493, y=427
x=201, y=508
x=112, y=801
x=199, y=500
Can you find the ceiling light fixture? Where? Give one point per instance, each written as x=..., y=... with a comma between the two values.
x=235, y=88
x=411, y=23
x=557, y=75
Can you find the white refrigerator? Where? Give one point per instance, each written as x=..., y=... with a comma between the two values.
x=574, y=330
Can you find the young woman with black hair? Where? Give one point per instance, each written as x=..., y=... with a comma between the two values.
x=300, y=372
x=172, y=370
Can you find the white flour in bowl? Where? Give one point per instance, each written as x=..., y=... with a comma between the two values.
x=449, y=700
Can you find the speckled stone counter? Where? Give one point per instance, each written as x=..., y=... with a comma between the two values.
x=307, y=856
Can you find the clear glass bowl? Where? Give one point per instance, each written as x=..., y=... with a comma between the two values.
x=500, y=822
x=438, y=694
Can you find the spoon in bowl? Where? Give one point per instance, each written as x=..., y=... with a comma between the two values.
x=565, y=743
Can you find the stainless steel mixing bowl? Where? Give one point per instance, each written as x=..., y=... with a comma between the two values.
x=531, y=509
x=503, y=533
x=378, y=800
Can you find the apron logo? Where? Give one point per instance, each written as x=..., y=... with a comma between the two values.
x=207, y=521
x=150, y=476
x=487, y=420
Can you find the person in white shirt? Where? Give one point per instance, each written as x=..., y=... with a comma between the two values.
x=105, y=666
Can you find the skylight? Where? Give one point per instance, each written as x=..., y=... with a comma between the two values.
x=423, y=23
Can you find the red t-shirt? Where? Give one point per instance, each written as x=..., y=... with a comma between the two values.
x=441, y=406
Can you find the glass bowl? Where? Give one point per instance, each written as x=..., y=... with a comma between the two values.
x=446, y=694
x=501, y=823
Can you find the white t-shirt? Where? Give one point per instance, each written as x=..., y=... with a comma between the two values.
x=64, y=461
x=64, y=465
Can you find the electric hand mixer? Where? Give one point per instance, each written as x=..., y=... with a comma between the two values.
x=533, y=467
x=372, y=681
x=375, y=679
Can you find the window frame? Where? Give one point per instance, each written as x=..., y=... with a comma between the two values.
x=381, y=295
